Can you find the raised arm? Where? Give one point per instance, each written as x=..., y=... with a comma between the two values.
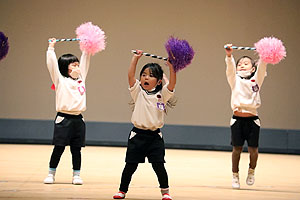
x=132, y=68
x=230, y=63
x=172, y=81
x=52, y=61
x=261, y=72
x=84, y=64
x=165, y=79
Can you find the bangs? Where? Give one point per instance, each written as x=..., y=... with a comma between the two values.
x=73, y=59
x=155, y=69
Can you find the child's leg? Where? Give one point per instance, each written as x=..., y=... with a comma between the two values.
x=55, y=158
x=236, y=153
x=253, y=151
x=161, y=174
x=76, y=157
x=253, y=160
x=126, y=176
x=76, y=160
x=56, y=155
x=253, y=140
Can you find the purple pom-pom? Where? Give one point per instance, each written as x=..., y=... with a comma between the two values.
x=92, y=38
x=3, y=45
x=180, y=53
x=270, y=50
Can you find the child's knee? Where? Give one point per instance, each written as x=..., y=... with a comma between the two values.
x=253, y=150
x=237, y=150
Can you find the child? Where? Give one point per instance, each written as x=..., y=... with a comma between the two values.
x=68, y=76
x=145, y=139
x=245, y=80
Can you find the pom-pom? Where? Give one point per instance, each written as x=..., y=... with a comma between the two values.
x=92, y=38
x=270, y=50
x=180, y=53
x=3, y=45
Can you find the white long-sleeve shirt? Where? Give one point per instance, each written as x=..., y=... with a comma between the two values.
x=148, y=113
x=70, y=93
x=245, y=96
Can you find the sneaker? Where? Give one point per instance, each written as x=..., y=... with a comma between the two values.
x=166, y=196
x=49, y=179
x=77, y=180
x=235, y=181
x=119, y=195
x=250, y=178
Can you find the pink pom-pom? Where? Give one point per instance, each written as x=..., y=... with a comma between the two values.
x=92, y=38
x=270, y=50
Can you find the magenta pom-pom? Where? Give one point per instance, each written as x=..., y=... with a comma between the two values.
x=180, y=53
x=270, y=50
x=4, y=46
x=92, y=38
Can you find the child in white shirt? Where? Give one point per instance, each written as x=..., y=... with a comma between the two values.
x=68, y=76
x=145, y=140
x=245, y=79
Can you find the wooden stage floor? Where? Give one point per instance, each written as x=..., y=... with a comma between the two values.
x=193, y=175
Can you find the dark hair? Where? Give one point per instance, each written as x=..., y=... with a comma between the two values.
x=157, y=72
x=253, y=63
x=63, y=63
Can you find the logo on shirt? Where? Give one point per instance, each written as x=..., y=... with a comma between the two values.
x=255, y=88
x=160, y=105
x=81, y=88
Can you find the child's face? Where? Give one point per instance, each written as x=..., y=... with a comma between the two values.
x=244, y=65
x=74, y=70
x=148, y=81
x=73, y=66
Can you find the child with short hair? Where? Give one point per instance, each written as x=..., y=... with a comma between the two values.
x=245, y=80
x=145, y=139
x=68, y=76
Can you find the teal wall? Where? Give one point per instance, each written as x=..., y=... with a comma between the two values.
x=175, y=136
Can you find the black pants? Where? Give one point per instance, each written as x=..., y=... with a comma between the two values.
x=69, y=130
x=58, y=151
x=145, y=143
x=130, y=168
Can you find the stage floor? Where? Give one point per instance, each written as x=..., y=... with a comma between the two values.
x=193, y=175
